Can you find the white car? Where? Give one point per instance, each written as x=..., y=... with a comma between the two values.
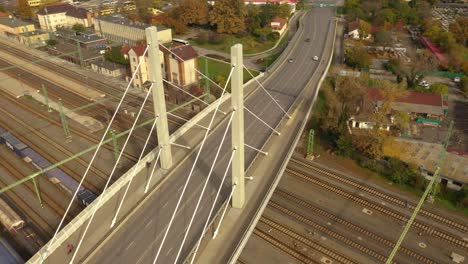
x=290, y=60
x=424, y=84
x=457, y=79
x=315, y=58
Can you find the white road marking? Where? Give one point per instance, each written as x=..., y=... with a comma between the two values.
x=165, y=204
x=169, y=251
x=149, y=223
x=129, y=245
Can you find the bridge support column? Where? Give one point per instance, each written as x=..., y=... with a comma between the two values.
x=237, y=101
x=159, y=102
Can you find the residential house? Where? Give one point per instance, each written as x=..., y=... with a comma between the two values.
x=87, y=40
x=108, y=68
x=354, y=29
x=422, y=107
x=178, y=65
x=279, y=25
x=454, y=170
x=22, y=31
x=119, y=29
x=63, y=15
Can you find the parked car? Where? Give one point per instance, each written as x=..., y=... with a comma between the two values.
x=424, y=84
x=457, y=79
x=315, y=58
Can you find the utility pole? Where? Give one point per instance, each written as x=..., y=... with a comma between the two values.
x=115, y=143
x=237, y=101
x=207, y=83
x=63, y=118
x=310, y=145
x=38, y=192
x=46, y=98
x=80, y=54
x=159, y=102
x=429, y=189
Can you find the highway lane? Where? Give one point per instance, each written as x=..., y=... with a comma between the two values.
x=139, y=239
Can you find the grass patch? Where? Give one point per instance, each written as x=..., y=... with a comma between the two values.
x=249, y=43
x=219, y=70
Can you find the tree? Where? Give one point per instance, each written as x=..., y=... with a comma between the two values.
x=401, y=120
x=114, y=55
x=383, y=37
x=79, y=27
x=364, y=29
x=464, y=84
x=387, y=15
x=24, y=10
x=194, y=12
x=357, y=57
x=459, y=29
x=228, y=16
x=439, y=88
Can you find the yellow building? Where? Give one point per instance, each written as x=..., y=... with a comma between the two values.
x=34, y=3
x=13, y=26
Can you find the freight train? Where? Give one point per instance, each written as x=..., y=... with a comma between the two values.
x=7, y=254
x=56, y=175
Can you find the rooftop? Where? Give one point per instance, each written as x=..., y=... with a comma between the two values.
x=427, y=154
x=14, y=22
x=108, y=65
x=70, y=10
x=120, y=19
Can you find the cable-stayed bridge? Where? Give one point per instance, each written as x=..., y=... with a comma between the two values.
x=154, y=213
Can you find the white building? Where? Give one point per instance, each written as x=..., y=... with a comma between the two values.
x=178, y=66
x=63, y=15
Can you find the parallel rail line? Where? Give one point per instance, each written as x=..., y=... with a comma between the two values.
x=387, y=197
x=433, y=231
x=381, y=258
x=352, y=226
x=283, y=247
x=297, y=237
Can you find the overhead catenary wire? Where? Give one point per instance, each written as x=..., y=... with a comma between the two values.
x=186, y=120
x=213, y=206
x=269, y=94
x=134, y=171
x=204, y=186
x=96, y=207
x=191, y=170
x=91, y=162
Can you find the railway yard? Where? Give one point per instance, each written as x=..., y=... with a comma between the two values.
x=32, y=138
x=320, y=215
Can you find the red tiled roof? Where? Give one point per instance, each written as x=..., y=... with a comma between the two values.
x=70, y=10
x=3, y=14
x=411, y=98
x=186, y=52
x=125, y=49
x=279, y=20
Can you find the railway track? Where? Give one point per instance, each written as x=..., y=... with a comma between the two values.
x=379, y=257
x=351, y=226
x=386, y=197
x=433, y=231
x=46, y=155
x=311, y=244
x=283, y=247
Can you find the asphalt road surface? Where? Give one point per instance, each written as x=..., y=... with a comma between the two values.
x=139, y=240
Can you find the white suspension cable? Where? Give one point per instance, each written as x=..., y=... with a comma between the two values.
x=199, y=72
x=185, y=119
x=252, y=113
x=196, y=98
x=191, y=170
x=134, y=171
x=215, y=234
x=213, y=206
x=261, y=151
x=91, y=162
x=154, y=168
x=95, y=208
x=269, y=94
x=180, y=146
x=204, y=186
